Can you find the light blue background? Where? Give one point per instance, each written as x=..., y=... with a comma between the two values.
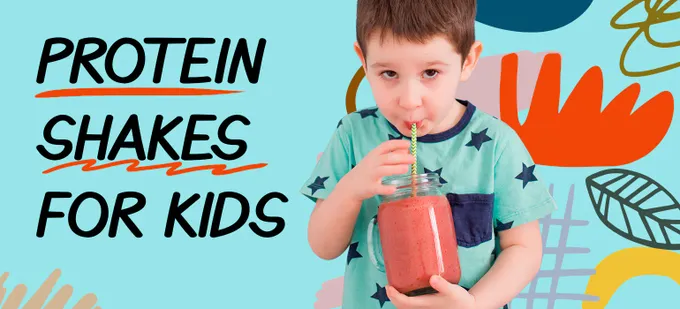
x=307, y=66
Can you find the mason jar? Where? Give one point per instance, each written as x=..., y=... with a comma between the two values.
x=417, y=237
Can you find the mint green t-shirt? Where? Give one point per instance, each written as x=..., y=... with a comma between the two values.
x=487, y=174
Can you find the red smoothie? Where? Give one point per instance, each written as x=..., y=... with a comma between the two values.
x=418, y=240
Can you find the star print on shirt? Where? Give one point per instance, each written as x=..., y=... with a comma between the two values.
x=527, y=175
x=353, y=253
x=393, y=137
x=380, y=295
x=318, y=184
x=339, y=123
x=500, y=226
x=368, y=112
x=439, y=172
x=478, y=139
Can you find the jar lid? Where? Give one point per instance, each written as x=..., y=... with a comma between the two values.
x=409, y=180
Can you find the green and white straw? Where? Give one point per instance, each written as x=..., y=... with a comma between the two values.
x=414, y=166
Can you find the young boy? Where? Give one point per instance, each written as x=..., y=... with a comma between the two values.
x=415, y=53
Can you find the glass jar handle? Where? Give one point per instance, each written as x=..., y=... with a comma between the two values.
x=374, y=247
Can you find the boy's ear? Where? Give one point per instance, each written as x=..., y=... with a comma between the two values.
x=471, y=61
x=357, y=49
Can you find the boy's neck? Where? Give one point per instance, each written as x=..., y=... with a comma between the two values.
x=454, y=116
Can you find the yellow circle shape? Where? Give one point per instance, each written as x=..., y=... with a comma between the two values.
x=621, y=266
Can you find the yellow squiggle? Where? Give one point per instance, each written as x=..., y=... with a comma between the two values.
x=623, y=265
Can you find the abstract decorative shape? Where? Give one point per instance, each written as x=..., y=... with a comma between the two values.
x=560, y=252
x=530, y=15
x=37, y=301
x=330, y=295
x=625, y=264
x=580, y=134
x=638, y=199
x=483, y=87
x=132, y=91
x=352, y=89
x=173, y=168
x=656, y=15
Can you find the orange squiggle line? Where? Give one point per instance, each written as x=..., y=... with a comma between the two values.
x=173, y=167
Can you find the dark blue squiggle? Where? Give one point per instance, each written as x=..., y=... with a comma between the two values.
x=530, y=15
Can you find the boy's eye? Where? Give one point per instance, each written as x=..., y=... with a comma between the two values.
x=430, y=73
x=389, y=74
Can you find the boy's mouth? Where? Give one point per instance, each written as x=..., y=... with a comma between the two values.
x=418, y=124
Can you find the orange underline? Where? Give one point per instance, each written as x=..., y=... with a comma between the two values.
x=173, y=168
x=131, y=91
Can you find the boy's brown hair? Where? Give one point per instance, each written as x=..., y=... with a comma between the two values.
x=418, y=21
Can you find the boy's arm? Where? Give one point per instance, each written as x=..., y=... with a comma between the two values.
x=520, y=199
x=332, y=221
x=515, y=267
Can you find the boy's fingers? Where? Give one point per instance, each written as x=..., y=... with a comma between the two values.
x=389, y=170
x=400, y=300
x=393, y=145
x=442, y=286
x=398, y=158
x=386, y=190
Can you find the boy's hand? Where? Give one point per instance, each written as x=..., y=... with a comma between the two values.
x=450, y=296
x=389, y=158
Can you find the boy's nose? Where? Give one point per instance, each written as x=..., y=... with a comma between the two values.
x=410, y=96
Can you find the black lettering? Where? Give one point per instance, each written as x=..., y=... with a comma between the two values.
x=215, y=231
x=205, y=216
x=103, y=217
x=222, y=135
x=222, y=61
x=48, y=57
x=45, y=212
x=80, y=59
x=47, y=135
x=158, y=137
x=131, y=126
x=259, y=211
x=124, y=214
x=102, y=138
x=241, y=53
x=139, y=66
x=162, y=50
x=189, y=59
x=191, y=136
x=175, y=214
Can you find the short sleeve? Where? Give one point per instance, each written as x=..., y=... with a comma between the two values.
x=520, y=195
x=333, y=164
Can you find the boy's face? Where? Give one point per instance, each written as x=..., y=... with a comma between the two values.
x=417, y=83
